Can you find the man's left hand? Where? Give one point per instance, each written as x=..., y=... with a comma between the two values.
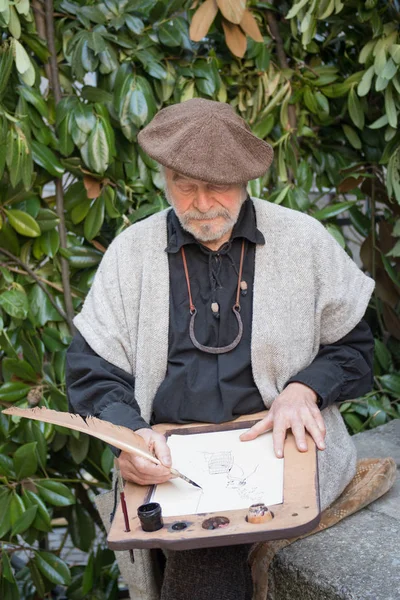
x=295, y=408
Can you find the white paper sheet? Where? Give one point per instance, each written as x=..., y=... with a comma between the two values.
x=233, y=474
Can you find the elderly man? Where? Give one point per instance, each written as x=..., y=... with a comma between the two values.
x=222, y=306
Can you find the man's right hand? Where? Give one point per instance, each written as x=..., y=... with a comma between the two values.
x=141, y=470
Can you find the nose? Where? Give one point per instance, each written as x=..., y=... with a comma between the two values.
x=203, y=201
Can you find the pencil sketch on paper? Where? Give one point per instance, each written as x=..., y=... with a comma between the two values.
x=223, y=463
x=232, y=474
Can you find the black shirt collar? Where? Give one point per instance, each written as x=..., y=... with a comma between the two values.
x=245, y=227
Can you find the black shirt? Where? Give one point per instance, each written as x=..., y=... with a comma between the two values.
x=208, y=387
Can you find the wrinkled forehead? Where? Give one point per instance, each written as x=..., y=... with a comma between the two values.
x=175, y=176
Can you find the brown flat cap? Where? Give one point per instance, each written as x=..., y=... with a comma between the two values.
x=206, y=140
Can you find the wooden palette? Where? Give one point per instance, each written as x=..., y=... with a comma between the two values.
x=299, y=513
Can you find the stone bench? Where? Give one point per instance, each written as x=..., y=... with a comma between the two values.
x=357, y=559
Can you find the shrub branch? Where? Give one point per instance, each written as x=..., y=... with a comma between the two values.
x=37, y=279
x=55, y=86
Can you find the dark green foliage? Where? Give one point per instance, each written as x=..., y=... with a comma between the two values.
x=331, y=114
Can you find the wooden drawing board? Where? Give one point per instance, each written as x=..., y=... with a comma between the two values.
x=298, y=514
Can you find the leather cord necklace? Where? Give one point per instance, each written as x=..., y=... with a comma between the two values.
x=235, y=308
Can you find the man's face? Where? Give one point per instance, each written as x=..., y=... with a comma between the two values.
x=208, y=211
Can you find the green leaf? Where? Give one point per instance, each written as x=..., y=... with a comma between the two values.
x=98, y=153
x=50, y=242
x=393, y=179
x=95, y=94
x=365, y=84
x=109, y=198
x=6, y=466
x=81, y=528
x=390, y=70
x=55, y=493
x=353, y=421
x=366, y=51
x=383, y=355
x=40, y=309
x=263, y=58
x=44, y=157
x=206, y=86
x=336, y=234
x=5, y=514
x=94, y=219
x=9, y=239
x=390, y=107
x=25, y=460
x=138, y=110
x=296, y=8
x=22, y=60
x=332, y=210
x=47, y=219
x=304, y=176
x=301, y=198
x=79, y=212
x=6, y=570
x=17, y=508
x=96, y=42
x=33, y=97
x=355, y=109
x=13, y=391
x=381, y=122
x=42, y=520
x=391, y=383
x=134, y=24
x=79, y=447
x=25, y=521
x=84, y=117
x=278, y=196
x=395, y=53
x=81, y=257
x=6, y=64
x=23, y=223
x=33, y=433
x=310, y=100
x=352, y=136
x=169, y=35
x=263, y=127
x=37, y=579
x=391, y=271
x=52, y=339
x=107, y=460
x=53, y=568
x=15, y=303
x=14, y=367
x=88, y=576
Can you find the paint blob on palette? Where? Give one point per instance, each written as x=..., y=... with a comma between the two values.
x=233, y=474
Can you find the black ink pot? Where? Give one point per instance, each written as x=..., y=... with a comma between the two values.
x=150, y=516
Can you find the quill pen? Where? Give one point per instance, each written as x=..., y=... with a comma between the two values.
x=121, y=437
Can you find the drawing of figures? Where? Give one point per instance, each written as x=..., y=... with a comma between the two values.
x=223, y=463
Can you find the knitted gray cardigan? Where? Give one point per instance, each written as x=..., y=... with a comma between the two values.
x=307, y=292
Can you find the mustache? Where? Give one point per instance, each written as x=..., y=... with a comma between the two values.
x=195, y=215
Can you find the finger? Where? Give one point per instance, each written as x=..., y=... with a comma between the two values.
x=257, y=429
x=299, y=435
x=319, y=420
x=162, y=451
x=130, y=473
x=144, y=467
x=143, y=479
x=279, y=435
x=315, y=432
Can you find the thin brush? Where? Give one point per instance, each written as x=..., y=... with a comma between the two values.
x=121, y=437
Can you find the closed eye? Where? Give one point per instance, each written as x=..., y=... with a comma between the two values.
x=218, y=188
